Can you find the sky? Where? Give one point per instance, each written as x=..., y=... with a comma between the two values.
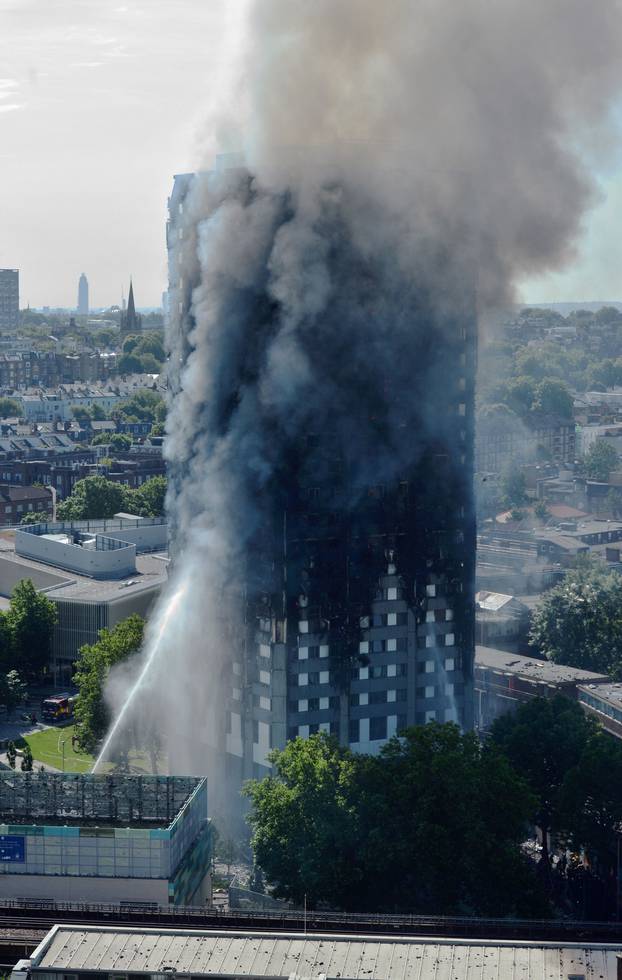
x=103, y=101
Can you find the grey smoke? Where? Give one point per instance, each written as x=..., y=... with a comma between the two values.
x=394, y=154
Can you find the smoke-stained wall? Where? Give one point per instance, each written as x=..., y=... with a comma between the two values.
x=398, y=166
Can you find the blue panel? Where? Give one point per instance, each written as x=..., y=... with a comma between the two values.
x=12, y=848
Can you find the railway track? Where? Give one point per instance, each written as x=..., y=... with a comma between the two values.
x=28, y=923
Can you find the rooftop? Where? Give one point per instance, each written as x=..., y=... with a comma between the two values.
x=80, y=949
x=533, y=669
x=494, y=601
x=71, y=799
x=612, y=693
x=151, y=571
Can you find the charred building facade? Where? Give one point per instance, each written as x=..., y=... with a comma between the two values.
x=352, y=609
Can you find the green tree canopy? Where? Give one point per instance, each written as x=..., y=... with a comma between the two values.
x=144, y=406
x=118, y=441
x=543, y=740
x=13, y=690
x=579, y=621
x=129, y=364
x=552, y=397
x=92, y=498
x=92, y=669
x=513, y=486
x=30, y=620
x=434, y=823
x=150, y=497
x=10, y=408
x=600, y=460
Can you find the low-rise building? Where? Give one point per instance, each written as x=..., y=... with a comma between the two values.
x=604, y=702
x=503, y=681
x=92, y=587
x=105, y=838
x=115, y=953
x=17, y=502
x=501, y=620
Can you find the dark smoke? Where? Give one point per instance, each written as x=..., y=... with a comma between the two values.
x=403, y=163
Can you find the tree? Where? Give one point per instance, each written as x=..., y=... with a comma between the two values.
x=27, y=759
x=600, y=459
x=149, y=499
x=92, y=498
x=13, y=690
x=81, y=413
x=10, y=408
x=513, y=486
x=129, y=364
x=434, y=823
x=144, y=406
x=149, y=364
x=11, y=754
x=30, y=619
x=35, y=517
x=553, y=398
x=579, y=621
x=93, y=666
x=543, y=739
x=541, y=511
x=116, y=440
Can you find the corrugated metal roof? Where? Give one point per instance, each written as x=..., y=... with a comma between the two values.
x=81, y=949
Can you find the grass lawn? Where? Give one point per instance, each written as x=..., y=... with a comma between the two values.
x=47, y=750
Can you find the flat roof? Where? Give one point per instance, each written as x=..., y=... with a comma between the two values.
x=612, y=693
x=150, y=573
x=82, y=949
x=534, y=669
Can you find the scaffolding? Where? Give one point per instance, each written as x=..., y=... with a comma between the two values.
x=72, y=798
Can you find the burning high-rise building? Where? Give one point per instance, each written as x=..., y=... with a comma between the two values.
x=321, y=325
x=348, y=586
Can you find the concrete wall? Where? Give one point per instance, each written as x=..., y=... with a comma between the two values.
x=113, y=563
x=12, y=572
x=152, y=537
x=75, y=889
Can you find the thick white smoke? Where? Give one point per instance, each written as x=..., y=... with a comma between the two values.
x=429, y=143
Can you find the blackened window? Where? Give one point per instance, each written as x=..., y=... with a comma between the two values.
x=377, y=728
x=353, y=730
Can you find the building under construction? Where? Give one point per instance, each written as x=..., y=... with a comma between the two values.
x=69, y=836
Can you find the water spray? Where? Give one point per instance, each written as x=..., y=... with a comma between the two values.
x=155, y=647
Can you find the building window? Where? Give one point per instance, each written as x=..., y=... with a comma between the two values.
x=430, y=716
x=430, y=691
x=450, y=663
x=303, y=653
x=450, y=640
x=264, y=677
x=430, y=591
x=303, y=680
x=353, y=730
x=377, y=728
x=430, y=667
x=323, y=650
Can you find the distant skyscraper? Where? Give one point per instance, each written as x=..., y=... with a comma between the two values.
x=83, y=296
x=9, y=299
x=130, y=322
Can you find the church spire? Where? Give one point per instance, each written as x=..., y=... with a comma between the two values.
x=130, y=320
x=131, y=309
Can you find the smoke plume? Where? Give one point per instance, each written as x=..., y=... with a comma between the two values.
x=390, y=166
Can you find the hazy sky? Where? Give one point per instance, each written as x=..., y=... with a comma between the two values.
x=101, y=102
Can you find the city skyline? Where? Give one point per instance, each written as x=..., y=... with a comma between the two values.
x=115, y=99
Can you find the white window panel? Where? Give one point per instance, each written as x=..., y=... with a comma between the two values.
x=391, y=695
x=449, y=614
x=303, y=626
x=391, y=619
x=364, y=646
x=450, y=663
x=449, y=690
x=429, y=616
x=303, y=705
x=264, y=650
x=430, y=641
x=364, y=622
x=303, y=680
x=265, y=703
x=324, y=677
x=363, y=673
x=430, y=666
x=430, y=716
x=462, y=408
x=392, y=593
x=451, y=714
x=237, y=669
x=363, y=697
x=324, y=704
x=450, y=640
x=264, y=676
x=324, y=726
x=324, y=650
x=303, y=653
x=391, y=670
x=430, y=591
x=429, y=691
x=303, y=731
x=236, y=694
x=391, y=645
